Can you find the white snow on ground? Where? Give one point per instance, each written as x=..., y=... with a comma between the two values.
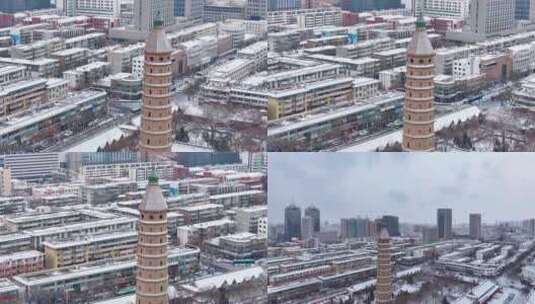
x=100, y=140
x=396, y=136
x=182, y=147
x=136, y=121
x=410, y=288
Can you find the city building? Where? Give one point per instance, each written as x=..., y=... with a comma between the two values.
x=123, y=59
x=257, y=52
x=238, y=246
x=370, y=5
x=21, y=262
x=201, y=213
x=132, y=170
x=522, y=55
x=14, y=6
x=446, y=8
x=391, y=223
x=475, y=226
x=385, y=290
x=314, y=213
x=89, y=7
x=71, y=58
x=315, y=130
x=215, y=11
x=71, y=230
x=10, y=74
x=32, y=166
x=492, y=17
x=282, y=5
x=66, y=252
x=307, y=227
x=444, y=223
x=292, y=222
x=197, y=234
x=152, y=277
x=51, y=283
x=146, y=12
x=40, y=220
x=464, y=67
x=309, y=97
x=104, y=193
x=21, y=96
x=156, y=118
x=189, y=9
x=86, y=75
x=5, y=182
x=418, y=126
x=12, y=204
x=247, y=219
x=256, y=9
x=524, y=10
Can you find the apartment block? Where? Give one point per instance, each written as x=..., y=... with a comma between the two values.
x=84, y=249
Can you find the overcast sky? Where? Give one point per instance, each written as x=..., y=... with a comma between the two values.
x=500, y=186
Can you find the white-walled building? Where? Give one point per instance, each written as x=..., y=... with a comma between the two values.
x=466, y=67
x=138, y=66
x=247, y=219
x=447, y=8
x=523, y=58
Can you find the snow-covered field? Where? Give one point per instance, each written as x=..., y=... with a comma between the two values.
x=100, y=140
x=396, y=136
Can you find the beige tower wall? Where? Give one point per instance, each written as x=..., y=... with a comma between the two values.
x=384, y=289
x=418, y=126
x=152, y=274
x=156, y=112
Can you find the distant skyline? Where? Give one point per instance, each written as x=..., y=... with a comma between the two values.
x=500, y=186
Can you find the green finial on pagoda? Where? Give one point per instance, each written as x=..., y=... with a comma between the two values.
x=153, y=178
x=158, y=22
x=420, y=22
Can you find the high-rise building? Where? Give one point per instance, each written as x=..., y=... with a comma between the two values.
x=307, y=227
x=146, y=12
x=292, y=222
x=314, y=213
x=492, y=17
x=384, y=290
x=446, y=8
x=391, y=223
x=475, y=226
x=370, y=5
x=156, y=113
x=355, y=228
x=418, y=126
x=525, y=10
x=444, y=223
x=429, y=234
x=280, y=5
x=191, y=9
x=89, y=7
x=257, y=9
x=13, y=6
x=152, y=277
x=529, y=226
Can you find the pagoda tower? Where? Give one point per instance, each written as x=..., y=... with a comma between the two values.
x=156, y=112
x=418, y=117
x=152, y=277
x=384, y=290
